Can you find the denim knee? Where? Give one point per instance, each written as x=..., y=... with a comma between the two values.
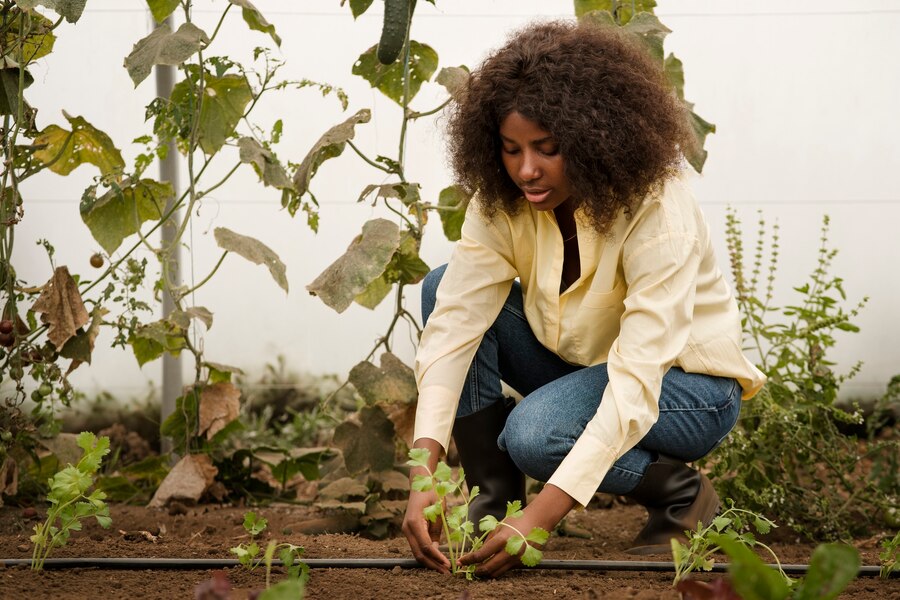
x=527, y=442
x=429, y=291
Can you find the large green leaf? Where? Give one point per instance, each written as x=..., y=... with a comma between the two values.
x=695, y=154
x=752, y=579
x=648, y=28
x=453, y=201
x=37, y=42
x=331, y=144
x=255, y=20
x=151, y=341
x=160, y=9
x=120, y=212
x=831, y=568
x=64, y=150
x=405, y=267
x=264, y=163
x=222, y=107
x=162, y=47
x=393, y=382
x=70, y=9
x=9, y=90
x=365, y=260
x=358, y=7
x=369, y=446
x=254, y=251
x=423, y=62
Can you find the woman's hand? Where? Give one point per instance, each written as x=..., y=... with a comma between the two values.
x=545, y=511
x=424, y=536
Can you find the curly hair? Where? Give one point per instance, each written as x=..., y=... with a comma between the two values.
x=619, y=126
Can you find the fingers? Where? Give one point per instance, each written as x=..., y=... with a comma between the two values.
x=491, y=546
x=424, y=549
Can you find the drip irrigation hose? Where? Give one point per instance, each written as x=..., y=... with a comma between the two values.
x=379, y=563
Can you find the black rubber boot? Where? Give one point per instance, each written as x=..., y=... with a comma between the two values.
x=676, y=498
x=498, y=479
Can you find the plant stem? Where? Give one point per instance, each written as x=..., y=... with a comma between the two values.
x=367, y=159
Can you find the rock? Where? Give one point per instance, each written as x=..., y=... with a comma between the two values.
x=177, y=508
x=397, y=570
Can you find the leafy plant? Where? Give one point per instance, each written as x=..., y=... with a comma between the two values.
x=70, y=502
x=788, y=457
x=890, y=556
x=732, y=525
x=289, y=554
x=458, y=529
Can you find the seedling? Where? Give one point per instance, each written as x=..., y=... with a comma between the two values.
x=890, y=557
x=458, y=529
x=69, y=504
x=733, y=525
x=297, y=571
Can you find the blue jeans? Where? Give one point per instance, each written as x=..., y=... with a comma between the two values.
x=696, y=411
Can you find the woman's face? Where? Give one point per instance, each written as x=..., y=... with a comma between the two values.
x=532, y=159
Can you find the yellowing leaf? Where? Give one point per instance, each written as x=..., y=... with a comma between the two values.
x=119, y=213
x=454, y=201
x=254, y=251
x=36, y=43
x=221, y=108
x=62, y=307
x=365, y=259
x=162, y=47
x=331, y=144
x=66, y=150
x=219, y=405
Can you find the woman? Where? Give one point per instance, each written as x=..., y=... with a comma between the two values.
x=585, y=279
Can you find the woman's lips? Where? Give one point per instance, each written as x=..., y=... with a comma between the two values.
x=536, y=196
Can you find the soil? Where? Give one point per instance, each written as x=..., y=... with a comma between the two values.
x=209, y=531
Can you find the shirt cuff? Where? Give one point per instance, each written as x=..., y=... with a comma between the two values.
x=435, y=414
x=584, y=467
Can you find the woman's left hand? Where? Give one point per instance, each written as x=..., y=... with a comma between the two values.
x=545, y=511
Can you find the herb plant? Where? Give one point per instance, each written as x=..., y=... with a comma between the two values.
x=733, y=526
x=890, y=556
x=70, y=502
x=458, y=529
x=289, y=554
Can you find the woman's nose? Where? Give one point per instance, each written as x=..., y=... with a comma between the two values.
x=529, y=169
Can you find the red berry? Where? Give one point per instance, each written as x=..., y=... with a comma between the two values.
x=6, y=326
x=7, y=339
x=97, y=260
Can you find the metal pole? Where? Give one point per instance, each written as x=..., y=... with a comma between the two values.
x=172, y=374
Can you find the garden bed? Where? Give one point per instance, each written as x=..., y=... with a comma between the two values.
x=209, y=531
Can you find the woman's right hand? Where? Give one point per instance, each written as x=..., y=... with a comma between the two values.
x=424, y=536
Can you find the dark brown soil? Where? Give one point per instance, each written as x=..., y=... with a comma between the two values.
x=209, y=531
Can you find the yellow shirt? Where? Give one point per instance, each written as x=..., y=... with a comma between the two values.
x=650, y=296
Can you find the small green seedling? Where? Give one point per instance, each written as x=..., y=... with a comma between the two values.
x=458, y=529
x=734, y=525
x=297, y=570
x=890, y=556
x=69, y=502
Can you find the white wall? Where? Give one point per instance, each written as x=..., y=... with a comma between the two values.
x=804, y=95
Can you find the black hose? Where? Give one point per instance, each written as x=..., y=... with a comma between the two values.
x=378, y=563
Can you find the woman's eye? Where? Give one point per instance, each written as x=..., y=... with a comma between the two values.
x=510, y=151
x=550, y=151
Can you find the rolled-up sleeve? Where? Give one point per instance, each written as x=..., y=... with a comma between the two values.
x=471, y=293
x=661, y=262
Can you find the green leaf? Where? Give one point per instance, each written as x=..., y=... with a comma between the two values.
x=119, y=213
x=219, y=373
x=454, y=201
x=331, y=144
x=162, y=47
x=182, y=318
x=369, y=445
x=423, y=62
x=432, y=512
x=149, y=342
x=365, y=259
x=442, y=488
x=255, y=20
x=696, y=155
x=601, y=18
x=254, y=524
x=442, y=472
x=538, y=536
x=721, y=522
x=751, y=578
x=221, y=109
x=418, y=457
x=374, y=293
x=70, y=9
x=160, y=9
x=358, y=7
x=648, y=28
x=423, y=483
x=514, y=544
x=78, y=347
x=488, y=523
x=393, y=383
x=254, y=251
x=621, y=8
x=531, y=557
x=66, y=150
x=289, y=589
x=831, y=568
x=513, y=509
x=266, y=165
x=674, y=70
x=36, y=41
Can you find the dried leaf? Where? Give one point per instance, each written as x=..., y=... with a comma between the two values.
x=9, y=478
x=345, y=488
x=62, y=307
x=254, y=251
x=264, y=162
x=365, y=260
x=187, y=480
x=162, y=47
x=393, y=383
x=70, y=9
x=453, y=79
x=331, y=144
x=220, y=404
x=370, y=446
